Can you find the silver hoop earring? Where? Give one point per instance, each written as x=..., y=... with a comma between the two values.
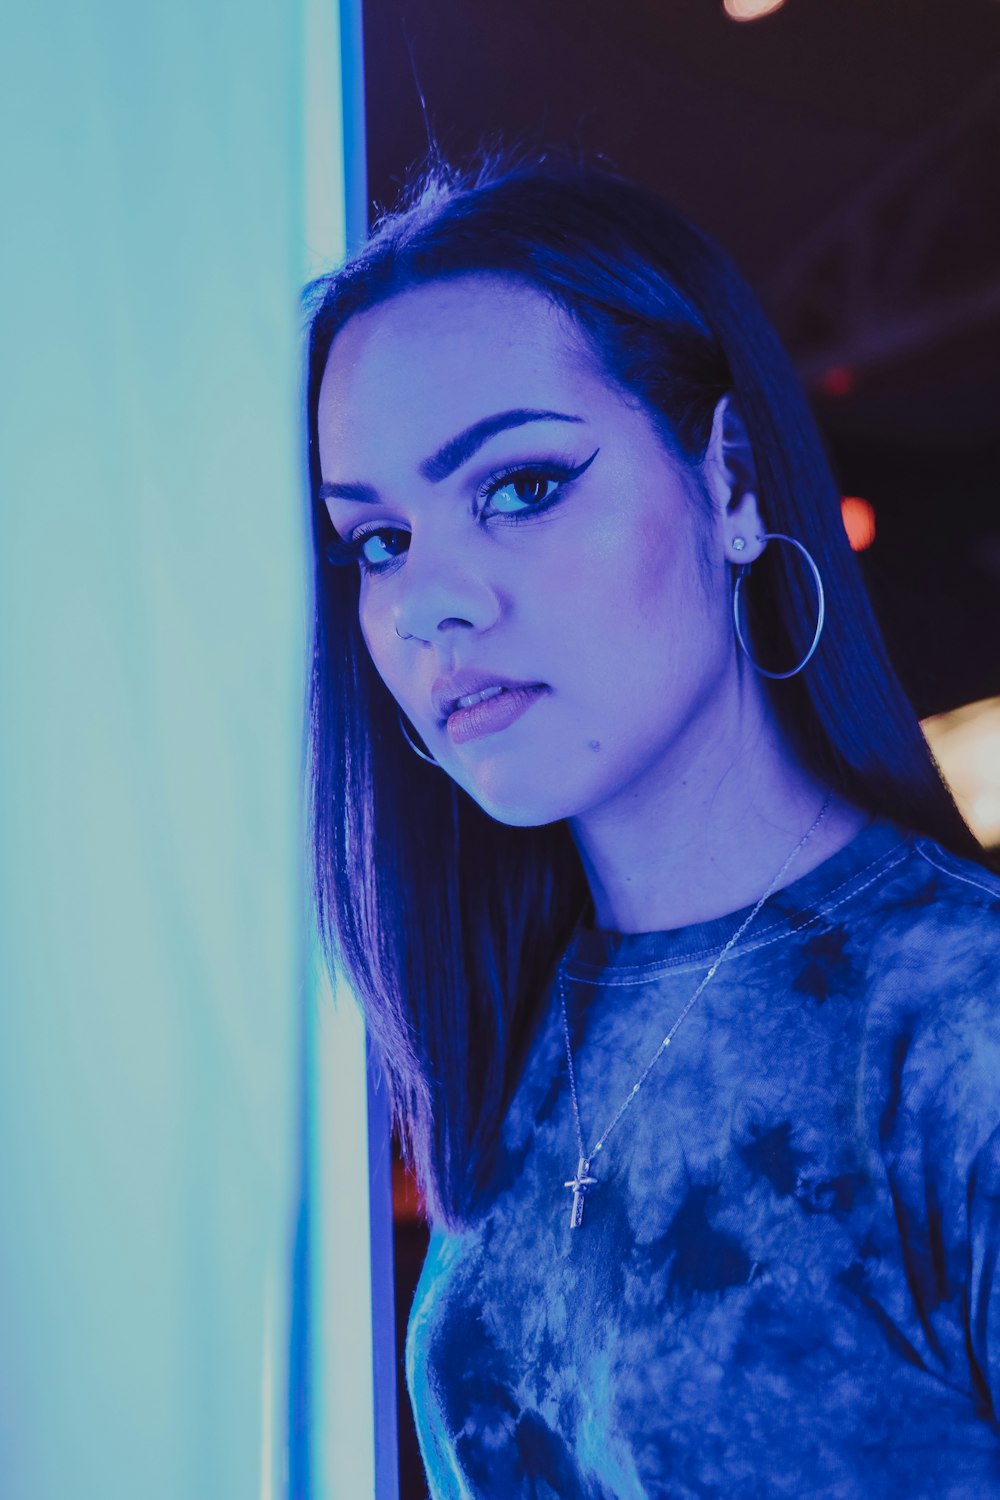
x=429, y=758
x=778, y=536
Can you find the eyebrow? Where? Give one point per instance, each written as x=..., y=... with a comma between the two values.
x=457, y=451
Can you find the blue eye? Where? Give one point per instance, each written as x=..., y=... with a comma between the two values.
x=520, y=479
x=521, y=476
x=361, y=538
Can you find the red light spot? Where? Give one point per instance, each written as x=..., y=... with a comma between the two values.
x=407, y=1199
x=838, y=380
x=859, y=521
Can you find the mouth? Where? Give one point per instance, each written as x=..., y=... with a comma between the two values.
x=486, y=695
x=492, y=710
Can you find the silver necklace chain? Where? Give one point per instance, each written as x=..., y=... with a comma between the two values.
x=583, y=1181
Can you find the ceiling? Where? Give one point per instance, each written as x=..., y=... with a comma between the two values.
x=847, y=155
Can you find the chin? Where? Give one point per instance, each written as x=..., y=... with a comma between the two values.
x=521, y=817
x=519, y=806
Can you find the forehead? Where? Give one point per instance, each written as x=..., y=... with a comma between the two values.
x=432, y=360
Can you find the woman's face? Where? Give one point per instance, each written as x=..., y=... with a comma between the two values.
x=598, y=595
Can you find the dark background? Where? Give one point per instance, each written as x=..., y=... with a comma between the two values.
x=847, y=155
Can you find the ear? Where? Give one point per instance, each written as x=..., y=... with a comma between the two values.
x=730, y=475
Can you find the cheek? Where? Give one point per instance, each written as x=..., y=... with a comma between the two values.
x=377, y=642
x=375, y=615
x=650, y=587
x=651, y=636
x=365, y=626
x=388, y=654
x=672, y=595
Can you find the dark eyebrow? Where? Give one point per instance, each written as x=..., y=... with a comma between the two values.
x=457, y=451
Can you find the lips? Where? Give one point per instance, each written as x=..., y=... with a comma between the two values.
x=447, y=690
x=485, y=695
x=490, y=715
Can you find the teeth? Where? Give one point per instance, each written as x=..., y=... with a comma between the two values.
x=471, y=698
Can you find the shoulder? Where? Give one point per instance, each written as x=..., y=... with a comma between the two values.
x=938, y=916
x=961, y=883
x=934, y=974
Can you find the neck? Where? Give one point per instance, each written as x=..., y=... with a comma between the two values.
x=703, y=833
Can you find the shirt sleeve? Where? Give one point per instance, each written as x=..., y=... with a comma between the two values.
x=984, y=1285
x=941, y=1147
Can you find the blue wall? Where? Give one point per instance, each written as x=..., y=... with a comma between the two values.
x=155, y=944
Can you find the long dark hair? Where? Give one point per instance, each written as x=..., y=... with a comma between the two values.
x=446, y=923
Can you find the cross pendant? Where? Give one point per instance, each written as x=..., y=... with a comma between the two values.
x=580, y=1183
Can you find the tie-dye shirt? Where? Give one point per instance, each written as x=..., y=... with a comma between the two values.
x=783, y=1284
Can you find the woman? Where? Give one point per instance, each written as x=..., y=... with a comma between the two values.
x=682, y=964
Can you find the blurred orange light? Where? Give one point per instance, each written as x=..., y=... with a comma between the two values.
x=965, y=743
x=749, y=10
x=859, y=521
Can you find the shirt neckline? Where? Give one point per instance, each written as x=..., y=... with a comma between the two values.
x=879, y=844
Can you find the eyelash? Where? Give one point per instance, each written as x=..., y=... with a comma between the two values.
x=343, y=553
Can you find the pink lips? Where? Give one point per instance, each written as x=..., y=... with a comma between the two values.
x=493, y=713
x=446, y=690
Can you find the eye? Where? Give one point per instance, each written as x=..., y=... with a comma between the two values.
x=529, y=479
x=373, y=562
x=525, y=480
x=344, y=553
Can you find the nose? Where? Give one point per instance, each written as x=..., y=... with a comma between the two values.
x=440, y=598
